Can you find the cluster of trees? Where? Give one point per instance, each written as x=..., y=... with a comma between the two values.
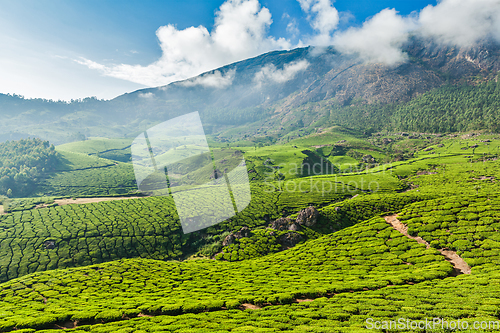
x=22, y=162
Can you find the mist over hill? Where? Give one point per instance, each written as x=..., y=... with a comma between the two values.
x=272, y=94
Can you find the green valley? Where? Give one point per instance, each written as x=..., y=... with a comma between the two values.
x=374, y=198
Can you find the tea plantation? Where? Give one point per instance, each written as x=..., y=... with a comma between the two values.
x=472, y=298
x=468, y=225
x=112, y=149
x=75, y=235
x=369, y=255
x=126, y=266
x=80, y=175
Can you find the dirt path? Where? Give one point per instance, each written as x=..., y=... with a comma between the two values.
x=459, y=265
x=246, y=306
x=396, y=224
x=62, y=202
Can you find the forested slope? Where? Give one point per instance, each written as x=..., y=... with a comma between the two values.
x=452, y=109
x=22, y=163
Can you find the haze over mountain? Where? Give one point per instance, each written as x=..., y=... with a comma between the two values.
x=266, y=91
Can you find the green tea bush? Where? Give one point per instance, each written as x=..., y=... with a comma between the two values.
x=262, y=242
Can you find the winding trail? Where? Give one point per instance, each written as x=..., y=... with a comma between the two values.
x=459, y=265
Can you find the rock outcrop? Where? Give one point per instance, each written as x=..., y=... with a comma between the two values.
x=290, y=239
x=308, y=216
x=283, y=223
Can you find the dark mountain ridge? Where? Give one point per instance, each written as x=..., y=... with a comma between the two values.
x=267, y=88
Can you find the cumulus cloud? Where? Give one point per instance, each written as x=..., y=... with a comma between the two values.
x=270, y=73
x=240, y=32
x=213, y=80
x=324, y=19
x=461, y=22
x=457, y=22
x=379, y=39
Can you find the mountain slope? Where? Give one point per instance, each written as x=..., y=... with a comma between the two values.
x=257, y=90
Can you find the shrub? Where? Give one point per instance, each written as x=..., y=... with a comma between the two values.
x=38, y=322
x=6, y=325
x=193, y=307
x=84, y=315
x=109, y=315
x=233, y=304
x=285, y=298
x=171, y=309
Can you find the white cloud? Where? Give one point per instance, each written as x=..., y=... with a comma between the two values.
x=214, y=80
x=240, y=32
x=457, y=22
x=379, y=39
x=291, y=27
x=147, y=95
x=271, y=73
x=461, y=22
x=324, y=19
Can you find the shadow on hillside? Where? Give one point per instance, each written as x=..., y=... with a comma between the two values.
x=63, y=164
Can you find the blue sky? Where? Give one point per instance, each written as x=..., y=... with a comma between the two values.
x=73, y=49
